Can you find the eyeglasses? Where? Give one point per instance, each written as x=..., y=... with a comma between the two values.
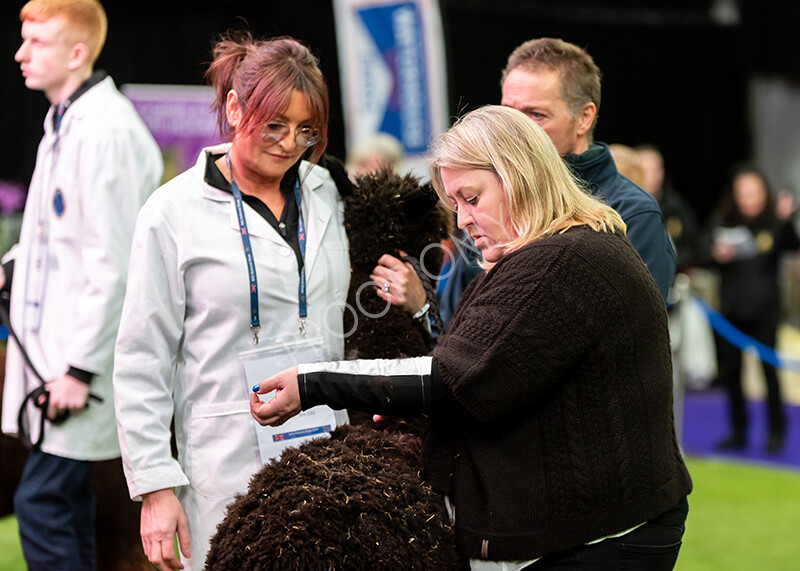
x=304, y=135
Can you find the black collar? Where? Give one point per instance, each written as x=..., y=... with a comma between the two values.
x=215, y=178
x=90, y=82
x=287, y=224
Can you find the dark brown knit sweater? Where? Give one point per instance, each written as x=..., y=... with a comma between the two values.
x=559, y=360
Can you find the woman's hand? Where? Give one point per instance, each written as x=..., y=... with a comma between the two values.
x=281, y=407
x=162, y=517
x=398, y=283
x=723, y=253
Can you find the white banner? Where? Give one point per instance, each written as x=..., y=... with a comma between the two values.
x=391, y=57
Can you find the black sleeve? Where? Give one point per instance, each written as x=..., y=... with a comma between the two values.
x=5, y=291
x=8, y=270
x=80, y=374
x=786, y=238
x=384, y=386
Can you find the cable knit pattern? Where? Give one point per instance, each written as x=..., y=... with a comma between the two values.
x=559, y=361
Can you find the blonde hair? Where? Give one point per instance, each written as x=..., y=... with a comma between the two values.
x=542, y=195
x=86, y=16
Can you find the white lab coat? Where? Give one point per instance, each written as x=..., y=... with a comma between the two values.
x=187, y=317
x=85, y=193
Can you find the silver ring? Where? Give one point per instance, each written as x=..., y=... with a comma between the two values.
x=385, y=287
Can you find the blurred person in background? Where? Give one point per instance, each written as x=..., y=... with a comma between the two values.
x=374, y=152
x=750, y=233
x=679, y=218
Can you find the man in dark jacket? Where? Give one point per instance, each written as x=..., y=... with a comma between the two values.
x=557, y=84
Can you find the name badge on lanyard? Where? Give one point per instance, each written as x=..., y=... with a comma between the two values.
x=278, y=355
x=255, y=322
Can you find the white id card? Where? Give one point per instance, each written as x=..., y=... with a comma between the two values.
x=260, y=364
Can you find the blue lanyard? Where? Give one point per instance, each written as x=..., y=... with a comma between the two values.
x=255, y=322
x=62, y=108
x=301, y=240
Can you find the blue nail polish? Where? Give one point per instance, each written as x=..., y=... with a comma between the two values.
x=255, y=388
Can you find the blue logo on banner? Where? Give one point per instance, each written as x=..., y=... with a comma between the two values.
x=58, y=202
x=397, y=32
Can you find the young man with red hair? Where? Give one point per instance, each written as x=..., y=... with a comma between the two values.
x=95, y=166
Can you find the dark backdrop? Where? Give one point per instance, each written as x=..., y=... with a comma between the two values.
x=672, y=76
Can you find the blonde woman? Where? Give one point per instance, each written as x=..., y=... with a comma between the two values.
x=550, y=399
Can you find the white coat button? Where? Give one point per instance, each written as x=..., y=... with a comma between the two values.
x=285, y=251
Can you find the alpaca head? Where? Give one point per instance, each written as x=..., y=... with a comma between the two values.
x=389, y=212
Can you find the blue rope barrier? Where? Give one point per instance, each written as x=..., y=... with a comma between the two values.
x=743, y=341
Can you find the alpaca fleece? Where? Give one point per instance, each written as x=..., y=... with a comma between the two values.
x=387, y=213
x=351, y=501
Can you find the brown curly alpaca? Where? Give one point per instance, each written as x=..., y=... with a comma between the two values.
x=390, y=213
x=351, y=501
x=355, y=500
